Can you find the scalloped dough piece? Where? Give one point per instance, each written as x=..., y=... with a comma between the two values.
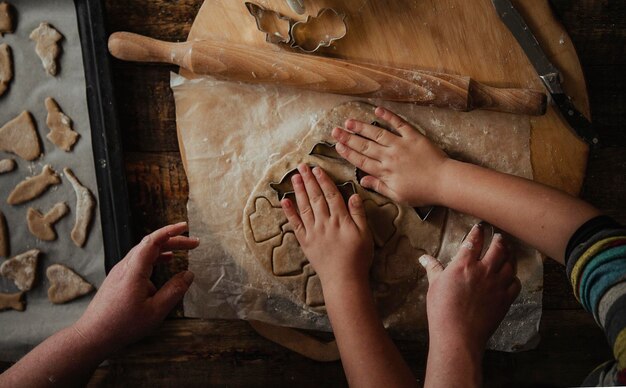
x=47, y=46
x=42, y=225
x=85, y=204
x=22, y=269
x=12, y=301
x=65, y=284
x=61, y=133
x=19, y=136
x=7, y=18
x=6, y=67
x=33, y=187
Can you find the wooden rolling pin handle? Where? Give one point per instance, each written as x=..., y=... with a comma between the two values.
x=138, y=48
x=517, y=101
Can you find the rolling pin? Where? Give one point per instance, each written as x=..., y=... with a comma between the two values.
x=237, y=62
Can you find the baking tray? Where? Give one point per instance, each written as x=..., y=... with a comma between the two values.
x=106, y=136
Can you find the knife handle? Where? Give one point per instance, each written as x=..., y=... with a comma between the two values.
x=237, y=62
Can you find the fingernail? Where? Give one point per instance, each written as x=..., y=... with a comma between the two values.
x=316, y=171
x=497, y=237
x=286, y=203
x=379, y=111
x=340, y=147
x=423, y=260
x=188, y=277
x=350, y=124
x=356, y=200
x=196, y=239
x=477, y=226
x=467, y=245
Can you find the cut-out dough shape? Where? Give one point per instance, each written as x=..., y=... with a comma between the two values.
x=401, y=264
x=33, y=187
x=47, y=46
x=275, y=26
x=65, y=284
x=85, y=205
x=287, y=258
x=7, y=18
x=6, y=67
x=7, y=165
x=381, y=220
x=5, y=247
x=42, y=226
x=19, y=136
x=12, y=301
x=266, y=213
x=314, y=293
x=61, y=133
x=22, y=269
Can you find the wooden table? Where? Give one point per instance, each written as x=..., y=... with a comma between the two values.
x=192, y=352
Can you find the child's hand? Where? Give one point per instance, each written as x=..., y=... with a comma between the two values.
x=336, y=240
x=128, y=305
x=404, y=167
x=468, y=299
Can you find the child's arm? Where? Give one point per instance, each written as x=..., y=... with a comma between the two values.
x=125, y=309
x=338, y=243
x=408, y=168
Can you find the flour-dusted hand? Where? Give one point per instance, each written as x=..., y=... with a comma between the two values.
x=128, y=305
x=336, y=240
x=404, y=166
x=465, y=303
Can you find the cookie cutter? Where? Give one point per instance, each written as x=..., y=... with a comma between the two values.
x=332, y=25
x=297, y=6
x=325, y=149
x=277, y=27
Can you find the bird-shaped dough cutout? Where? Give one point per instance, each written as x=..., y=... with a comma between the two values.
x=61, y=133
x=47, y=46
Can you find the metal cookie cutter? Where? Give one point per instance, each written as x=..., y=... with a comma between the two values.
x=325, y=149
x=277, y=27
x=489, y=232
x=319, y=31
x=297, y=6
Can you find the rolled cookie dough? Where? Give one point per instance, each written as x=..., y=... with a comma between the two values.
x=42, y=226
x=61, y=133
x=7, y=18
x=65, y=284
x=19, y=136
x=85, y=204
x=22, y=269
x=47, y=46
x=33, y=187
x=400, y=236
x=6, y=67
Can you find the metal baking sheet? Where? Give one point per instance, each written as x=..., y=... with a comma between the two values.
x=21, y=331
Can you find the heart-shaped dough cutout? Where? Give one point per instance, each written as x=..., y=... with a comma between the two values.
x=65, y=284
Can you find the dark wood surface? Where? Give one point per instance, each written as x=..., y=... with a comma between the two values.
x=229, y=353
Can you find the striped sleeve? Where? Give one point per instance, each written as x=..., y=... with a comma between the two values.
x=596, y=268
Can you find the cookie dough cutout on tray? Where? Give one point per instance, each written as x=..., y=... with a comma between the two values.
x=7, y=165
x=6, y=67
x=22, y=269
x=5, y=247
x=7, y=18
x=42, y=225
x=61, y=133
x=19, y=136
x=33, y=187
x=47, y=46
x=85, y=205
x=12, y=301
x=65, y=284
x=397, y=229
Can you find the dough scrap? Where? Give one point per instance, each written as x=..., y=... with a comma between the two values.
x=47, y=46
x=61, y=133
x=7, y=165
x=33, y=187
x=85, y=204
x=397, y=229
x=65, y=284
x=12, y=301
x=19, y=136
x=42, y=226
x=22, y=269
x=6, y=67
x=5, y=246
x=7, y=18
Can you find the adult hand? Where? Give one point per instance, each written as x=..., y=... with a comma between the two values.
x=128, y=305
x=337, y=241
x=405, y=166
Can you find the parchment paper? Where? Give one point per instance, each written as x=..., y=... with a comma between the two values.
x=230, y=133
x=21, y=331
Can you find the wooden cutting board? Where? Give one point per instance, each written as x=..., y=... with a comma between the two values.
x=453, y=36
